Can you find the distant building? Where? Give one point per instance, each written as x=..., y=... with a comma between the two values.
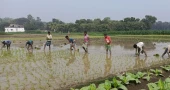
x=15, y=28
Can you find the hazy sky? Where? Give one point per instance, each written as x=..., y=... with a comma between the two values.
x=70, y=10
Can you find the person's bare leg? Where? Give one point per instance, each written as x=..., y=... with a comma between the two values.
x=7, y=47
x=166, y=50
x=44, y=46
x=145, y=53
x=107, y=51
x=31, y=48
x=84, y=49
x=49, y=47
x=110, y=52
x=74, y=47
x=138, y=51
x=28, y=48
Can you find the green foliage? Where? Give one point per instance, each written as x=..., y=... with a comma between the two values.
x=157, y=72
x=118, y=85
x=140, y=74
x=147, y=77
x=129, y=77
x=167, y=67
x=160, y=85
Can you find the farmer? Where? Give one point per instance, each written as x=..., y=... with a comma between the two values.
x=86, y=41
x=139, y=48
x=48, y=38
x=7, y=43
x=167, y=50
x=72, y=42
x=29, y=44
x=107, y=43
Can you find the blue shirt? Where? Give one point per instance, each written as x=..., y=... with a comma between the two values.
x=71, y=40
x=7, y=42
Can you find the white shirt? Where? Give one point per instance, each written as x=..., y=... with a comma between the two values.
x=168, y=48
x=49, y=37
x=140, y=45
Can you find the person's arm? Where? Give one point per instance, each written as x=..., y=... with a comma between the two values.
x=139, y=49
x=51, y=37
x=168, y=52
x=26, y=44
x=3, y=45
x=46, y=37
x=136, y=50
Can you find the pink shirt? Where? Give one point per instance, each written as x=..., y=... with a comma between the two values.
x=86, y=38
x=108, y=40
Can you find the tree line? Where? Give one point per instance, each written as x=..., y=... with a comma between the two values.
x=91, y=25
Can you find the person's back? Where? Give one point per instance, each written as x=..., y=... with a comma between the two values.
x=139, y=48
x=7, y=43
x=140, y=44
x=71, y=40
x=86, y=38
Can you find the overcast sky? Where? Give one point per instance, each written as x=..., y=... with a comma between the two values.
x=71, y=10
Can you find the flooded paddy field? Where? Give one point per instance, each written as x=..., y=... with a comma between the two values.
x=62, y=69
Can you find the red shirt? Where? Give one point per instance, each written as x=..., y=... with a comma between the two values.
x=107, y=39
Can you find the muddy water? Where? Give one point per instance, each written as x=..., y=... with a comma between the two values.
x=60, y=68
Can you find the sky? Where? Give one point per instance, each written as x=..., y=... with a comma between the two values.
x=71, y=10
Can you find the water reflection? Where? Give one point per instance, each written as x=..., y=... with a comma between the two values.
x=49, y=58
x=108, y=64
x=86, y=63
x=140, y=62
x=71, y=58
x=29, y=55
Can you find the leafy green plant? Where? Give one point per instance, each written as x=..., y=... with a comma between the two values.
x=157, y=72
x=90, y=87
x=133, y=77
x=160, y=85
x=124, y=79
x=147, y=77
x=140, y=74
x=105, y=86
x=118, y=85
x=167, y=67
x=129, y=77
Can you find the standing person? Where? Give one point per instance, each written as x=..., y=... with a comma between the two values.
x=7, y=43
x=167, y=50
x=107, y=43
x=48, y=38
x=139, y=48
x=72, y=42
x=86, y=41
x=29, y=44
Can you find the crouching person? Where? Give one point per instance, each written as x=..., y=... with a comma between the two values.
x=139, y=48
x=6, y=43
x=167, y=50
x=29, y=44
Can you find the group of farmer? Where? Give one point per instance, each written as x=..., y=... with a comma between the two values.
x=140, y=47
